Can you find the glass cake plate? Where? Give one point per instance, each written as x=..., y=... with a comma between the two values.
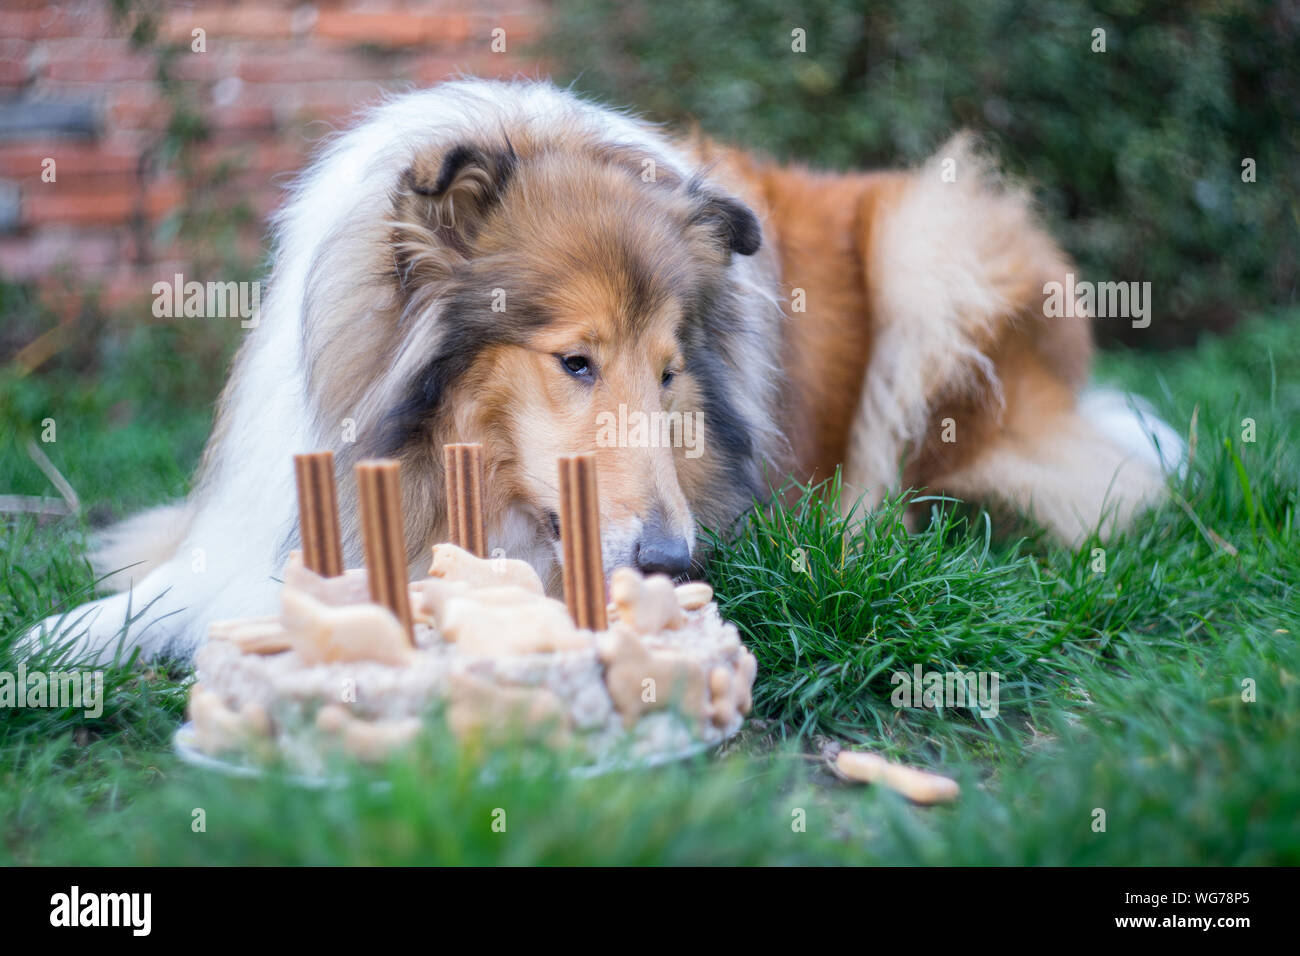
x=186, y=747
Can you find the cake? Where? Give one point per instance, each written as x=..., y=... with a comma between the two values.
x=488, y=650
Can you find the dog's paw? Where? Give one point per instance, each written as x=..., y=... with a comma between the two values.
x=102, y=632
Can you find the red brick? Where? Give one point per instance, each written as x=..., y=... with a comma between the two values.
x=91, y=20
x=262, y=152
x=240, y=117
x=221, y=25
x=296, y=62
x=286, y=159
x=135, y=247
x=306, y=66
x=103, y=207
x=393, y=29
x=137, y=106
x=41, y=208
x=18, y=160
x=13, y=73
x=98, y=160
x=95, y=61
x=291, y=103
x=262, y=159
x=14, y=67
x=213, y=65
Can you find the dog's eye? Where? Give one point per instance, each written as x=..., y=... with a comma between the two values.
x=579, y=366
x=668, y=377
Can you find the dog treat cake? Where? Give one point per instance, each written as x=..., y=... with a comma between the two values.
x=358, y=660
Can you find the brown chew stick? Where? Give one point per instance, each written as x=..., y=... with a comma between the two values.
x=380, y=493
x=464, y=466
x=318, y=513
x=584, y=572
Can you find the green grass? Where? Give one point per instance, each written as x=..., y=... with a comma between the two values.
x=1121, y=690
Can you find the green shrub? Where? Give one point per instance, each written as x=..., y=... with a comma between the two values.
x=1136, y=152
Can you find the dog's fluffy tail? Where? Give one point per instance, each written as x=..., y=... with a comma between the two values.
x=1132, y=424
x=129, y=550
x=1076, y=468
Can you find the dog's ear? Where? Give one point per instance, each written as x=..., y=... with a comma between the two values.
x=442, y=201
x=729, y=219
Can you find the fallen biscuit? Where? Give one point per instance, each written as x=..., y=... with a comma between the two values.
x=746, y=671
x=918, y=786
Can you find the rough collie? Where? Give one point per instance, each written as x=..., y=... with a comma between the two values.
x=508, y=264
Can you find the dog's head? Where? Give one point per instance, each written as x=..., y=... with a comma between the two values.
x=561, y=297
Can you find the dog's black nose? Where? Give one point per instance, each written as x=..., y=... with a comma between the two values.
x=659, y=553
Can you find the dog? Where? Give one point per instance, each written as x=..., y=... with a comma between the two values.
x=509, y=264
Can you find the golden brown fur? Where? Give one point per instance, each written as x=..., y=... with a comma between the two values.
x=988, y=382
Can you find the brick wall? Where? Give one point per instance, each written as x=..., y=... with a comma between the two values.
x=131, y=201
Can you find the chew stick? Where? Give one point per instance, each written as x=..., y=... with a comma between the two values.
x=464, y=467
x=318, y=513
x=584, y=571
x=380, y=493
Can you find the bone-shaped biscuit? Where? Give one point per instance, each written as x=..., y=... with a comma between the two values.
x=694, y=595
x=220, y=729
x=918, y=786
x=647, y=605
x=429, y=597
x=350, y=587
x=676, y=679
x=497, y=621
x=731, y=692
x=722, y=697
x=746, y=671
x=323, y=634
x=369, y=740
x=481, y=710
x=479, y=623
x=252, y=635
x=451, y=563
